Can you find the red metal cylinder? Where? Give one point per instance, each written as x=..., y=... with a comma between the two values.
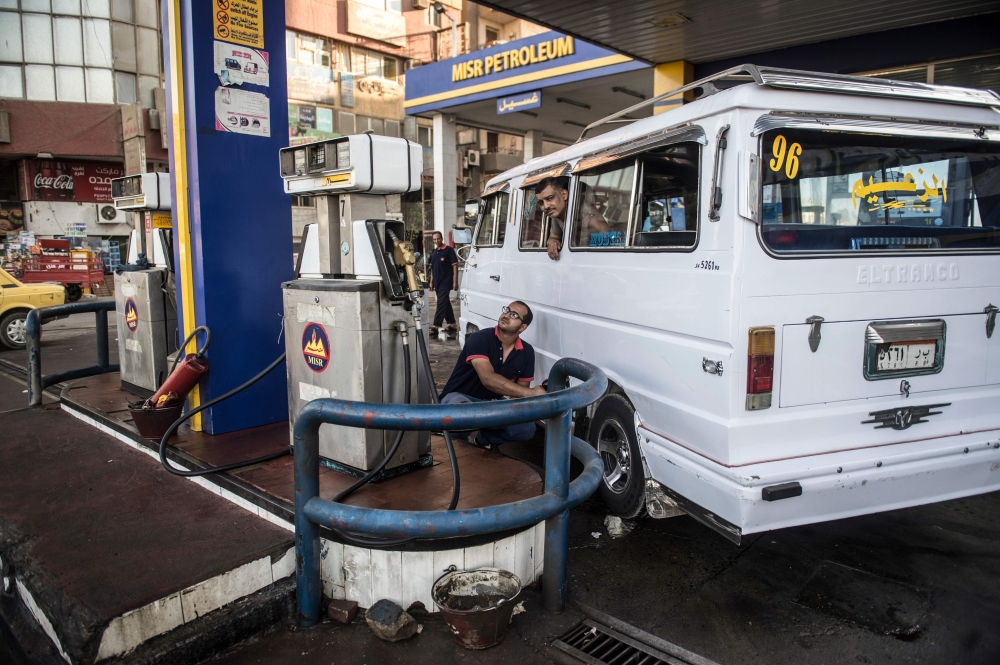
x=180, y=382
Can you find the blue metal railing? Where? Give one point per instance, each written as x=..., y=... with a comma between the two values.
x=553, y=505
x=33, y=338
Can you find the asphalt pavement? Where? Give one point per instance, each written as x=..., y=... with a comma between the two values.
x=920, y=585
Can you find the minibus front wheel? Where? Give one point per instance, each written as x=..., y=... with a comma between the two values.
x=613, y=435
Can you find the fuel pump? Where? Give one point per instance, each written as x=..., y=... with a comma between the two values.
x=349, y=322
x=147, y=315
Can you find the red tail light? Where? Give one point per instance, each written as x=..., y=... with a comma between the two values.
x=760, y=368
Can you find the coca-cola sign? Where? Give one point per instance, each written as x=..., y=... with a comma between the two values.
x=57, y=180
x=53, y=182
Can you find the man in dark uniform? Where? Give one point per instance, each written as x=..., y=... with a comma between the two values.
x=495, y=363
x=444, y=278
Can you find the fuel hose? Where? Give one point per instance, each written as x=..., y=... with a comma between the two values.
x=225, y=467
x=456, y=478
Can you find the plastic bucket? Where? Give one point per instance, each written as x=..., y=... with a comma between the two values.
x=477, y=604
x=154, y=423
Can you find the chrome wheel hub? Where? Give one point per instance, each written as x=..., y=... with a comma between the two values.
x=613, y=447
x=15, y=331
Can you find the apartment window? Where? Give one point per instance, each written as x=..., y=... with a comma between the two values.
x=67, y=50
x=311, y=50
x=395, y=6
x=492, y=35
x=372, y=63
x=433, y=17
x=425, y=136
x=347, y=124
x=125, y=87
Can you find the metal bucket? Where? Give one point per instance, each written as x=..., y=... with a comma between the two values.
x=477, y=604
x=154, y=423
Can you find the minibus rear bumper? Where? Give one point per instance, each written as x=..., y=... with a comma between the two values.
x=732, y=501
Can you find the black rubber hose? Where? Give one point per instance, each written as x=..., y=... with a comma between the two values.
x=199, y=352
x=399, y=435
x=225, y=467
x=455, y=476
x=456, y=480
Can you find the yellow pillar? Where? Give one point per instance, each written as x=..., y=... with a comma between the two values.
x=668, y=76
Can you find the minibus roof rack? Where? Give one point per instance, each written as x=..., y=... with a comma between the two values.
x=793, y=79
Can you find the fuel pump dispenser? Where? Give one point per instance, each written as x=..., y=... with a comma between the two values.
x=147, y=315
x=347, y=328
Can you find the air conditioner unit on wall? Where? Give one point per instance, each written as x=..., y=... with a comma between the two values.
x=467, y=181
x=473, y=156
x=421, y=4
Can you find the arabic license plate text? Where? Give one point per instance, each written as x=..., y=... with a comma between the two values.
x=907, y=355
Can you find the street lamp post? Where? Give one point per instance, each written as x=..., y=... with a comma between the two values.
x=439, y=8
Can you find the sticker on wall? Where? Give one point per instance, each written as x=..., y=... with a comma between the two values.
x=131, y=315
x=242, y=112
x=316, y=347
x=236, y=65
x=239, y=21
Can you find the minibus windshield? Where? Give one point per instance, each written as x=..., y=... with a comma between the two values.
x=837, y=191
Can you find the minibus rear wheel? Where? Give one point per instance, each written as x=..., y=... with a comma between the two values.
x=613, y=435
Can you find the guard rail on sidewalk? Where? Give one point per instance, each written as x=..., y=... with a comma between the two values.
x=553, y=505
x=33, y=338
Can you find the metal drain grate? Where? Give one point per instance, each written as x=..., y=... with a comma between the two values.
x=590, y=642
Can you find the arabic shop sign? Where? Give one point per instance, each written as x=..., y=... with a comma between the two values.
x=67, y=180
x=531, y=54
x=514, y=103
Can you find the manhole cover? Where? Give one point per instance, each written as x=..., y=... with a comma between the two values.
x=881, y=604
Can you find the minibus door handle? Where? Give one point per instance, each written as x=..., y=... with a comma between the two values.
x=495, y=278
x=814, y=334
x=991, y=318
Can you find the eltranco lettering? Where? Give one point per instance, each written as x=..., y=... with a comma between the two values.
x=527, y=55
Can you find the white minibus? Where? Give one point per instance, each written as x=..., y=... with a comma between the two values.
x=791, y=282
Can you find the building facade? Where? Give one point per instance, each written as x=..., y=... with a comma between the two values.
x=67, y=69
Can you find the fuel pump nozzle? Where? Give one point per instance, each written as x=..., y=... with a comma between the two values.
x=402, y=253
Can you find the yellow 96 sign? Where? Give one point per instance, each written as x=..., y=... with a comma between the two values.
x=785, y=155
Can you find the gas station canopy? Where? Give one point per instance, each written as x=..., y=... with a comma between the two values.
x=656, y=31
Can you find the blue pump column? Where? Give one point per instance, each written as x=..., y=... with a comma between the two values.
x=232, y=220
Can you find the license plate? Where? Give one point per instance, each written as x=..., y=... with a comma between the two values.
x=906, y=355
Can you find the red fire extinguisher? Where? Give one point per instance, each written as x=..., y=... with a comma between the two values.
x=184, y=377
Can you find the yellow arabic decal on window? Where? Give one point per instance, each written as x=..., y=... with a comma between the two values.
x=870, y=192
x=778, y=149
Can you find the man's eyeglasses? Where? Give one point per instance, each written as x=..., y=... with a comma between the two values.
x=514, y=315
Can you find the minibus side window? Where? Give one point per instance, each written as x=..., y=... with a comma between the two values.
x=534, y=224
x=649, y=202
x=493, y=222
x=668, y=200
x=603, y=201
x=503, y=203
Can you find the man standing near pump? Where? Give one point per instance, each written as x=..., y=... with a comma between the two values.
x=495, y=364
x=444, y=278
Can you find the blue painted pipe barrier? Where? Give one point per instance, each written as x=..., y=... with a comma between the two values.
x=33, y=340
x=553, y=506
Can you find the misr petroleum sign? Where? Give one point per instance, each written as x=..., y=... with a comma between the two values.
x=513, y=58
x=512, y=69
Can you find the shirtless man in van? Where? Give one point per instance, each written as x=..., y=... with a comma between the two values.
x=552, y=195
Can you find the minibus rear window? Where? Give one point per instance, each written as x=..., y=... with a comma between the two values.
x=838, y=191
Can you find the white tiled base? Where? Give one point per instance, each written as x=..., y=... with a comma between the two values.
x=367, y=576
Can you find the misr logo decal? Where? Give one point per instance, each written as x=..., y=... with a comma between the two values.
x=316, y=347
x=131, y=315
